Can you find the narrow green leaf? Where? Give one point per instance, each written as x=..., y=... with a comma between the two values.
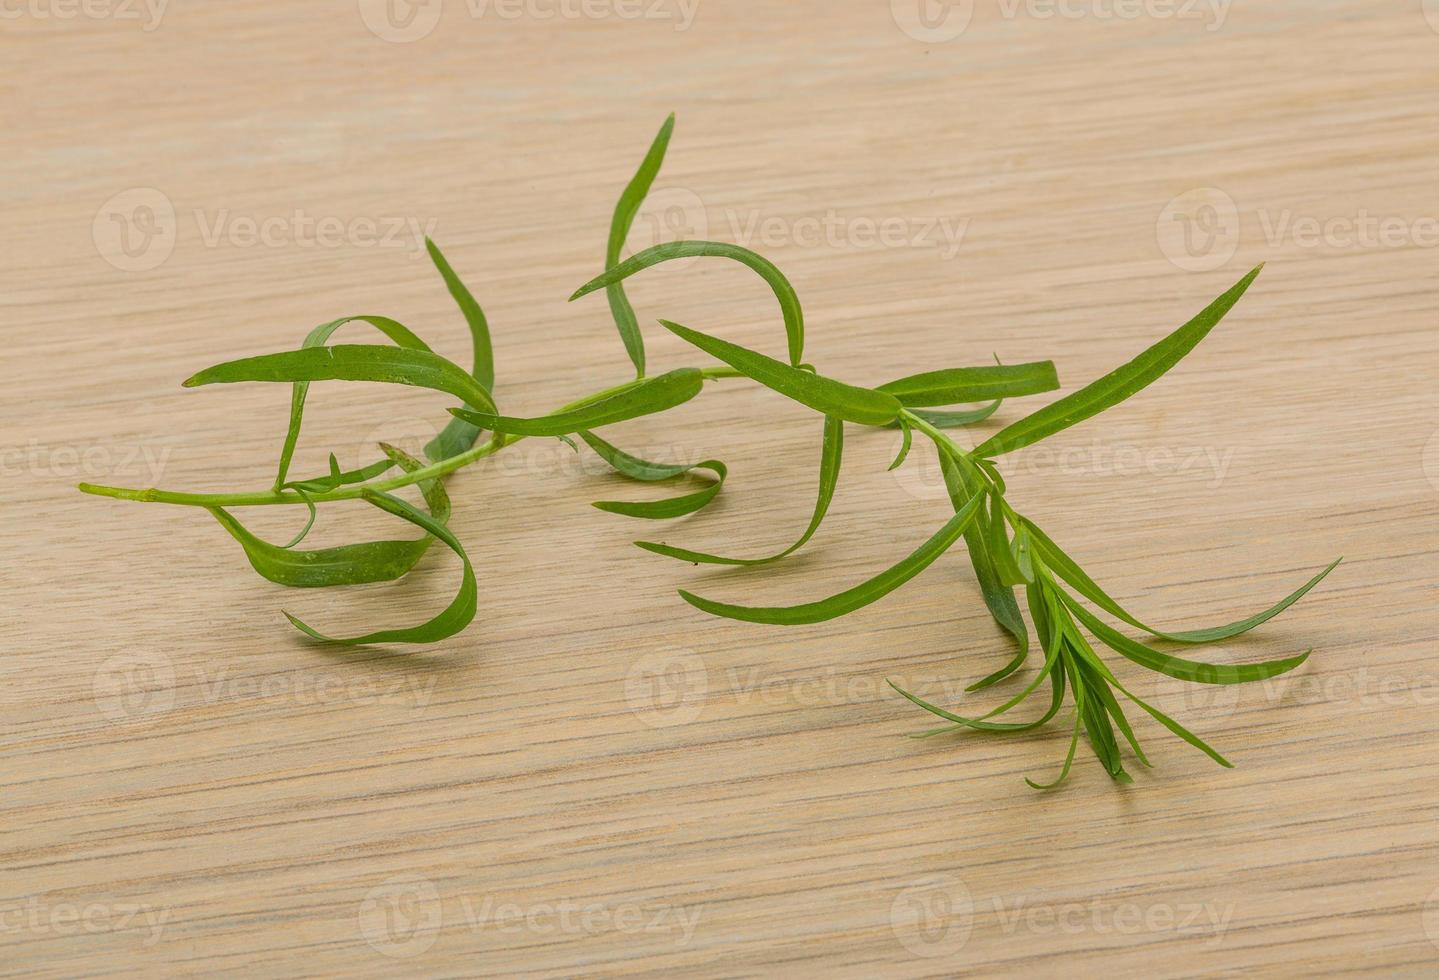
x=625, y=210
x=1176, y=728
x=850, y=600
x=998, y=597
x=953, y=420
x=659, y=510
x=324, y=484
x=973, y=384
x=352, y=362
x=1178, y=667
x=318, y=337
x=646, y=471
x=767, y=270
x=1010, y=573
x=829, y=464
x=632, y=466
x=908, y=437
x=1068, y=761
x=1118, y=384
x=454, y=618
x=1070, y=571
x=642, y=398
x=863, y=405
x=459, y=435
x=983, y=722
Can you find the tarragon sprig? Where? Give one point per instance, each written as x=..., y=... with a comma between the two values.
x=1007, y=550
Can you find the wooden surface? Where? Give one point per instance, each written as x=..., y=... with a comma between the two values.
x=596, y=779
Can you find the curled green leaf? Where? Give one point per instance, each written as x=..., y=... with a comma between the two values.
x=831, y=454
x=646, y=471
x=451, y=620
x=863, y=405
x=350, y=564
x=767, y=270
x=851, y=599
x=1118, y=384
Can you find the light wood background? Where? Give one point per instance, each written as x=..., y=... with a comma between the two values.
x=596, y=779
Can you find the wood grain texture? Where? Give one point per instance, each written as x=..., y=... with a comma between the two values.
x=596, y=779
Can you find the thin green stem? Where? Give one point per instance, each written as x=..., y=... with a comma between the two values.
x=268, y=497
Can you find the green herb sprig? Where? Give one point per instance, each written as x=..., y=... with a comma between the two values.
x=1008, y=551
